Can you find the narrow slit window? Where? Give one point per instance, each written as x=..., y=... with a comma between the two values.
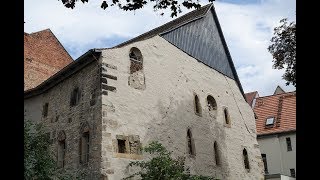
x=264, y=159
x=85, y=146
x=190, y=142
x=61, y=153
x=121, y=146
x=246, y=159
x=197, y=105
x=226, y=116
x=75, y=97
x=216, y=153
x=45, y=110
x=289, y=147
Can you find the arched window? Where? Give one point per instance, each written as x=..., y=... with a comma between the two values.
x=216, y=153
x=212, y=105
x=226, y=116
x=61, y=149
x=190, y=142
x=246, y=159
x=197, y=105
x=136, y=60
x=84, y=143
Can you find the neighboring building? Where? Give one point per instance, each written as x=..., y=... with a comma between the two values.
x=251, y=98
x=276, y=130
x=43, y=57
x=176, y=84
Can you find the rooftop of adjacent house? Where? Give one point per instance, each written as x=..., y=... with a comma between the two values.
x=276, y=113
x=44, y=47
x=250, y=97
x=44, y=56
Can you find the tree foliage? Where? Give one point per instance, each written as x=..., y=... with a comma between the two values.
x=39, y=161
x=163, y=166
x=283, y=50
x=131, y=5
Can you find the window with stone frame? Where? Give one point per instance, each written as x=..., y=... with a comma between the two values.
x=246, y=159
x=122, y=146
x=190, y=143
x=136, y=60
x=75, y=96
x=128, y=144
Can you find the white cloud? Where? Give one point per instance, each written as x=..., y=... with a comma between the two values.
x=247, y=29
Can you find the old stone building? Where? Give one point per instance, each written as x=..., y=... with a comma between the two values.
x=43, y=57
x=176, y=84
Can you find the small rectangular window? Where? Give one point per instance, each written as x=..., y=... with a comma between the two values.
x=45, y=110
x=264, y=159
x=289, y=147
x=292, y=173
x=121, y=146
x=269, y=121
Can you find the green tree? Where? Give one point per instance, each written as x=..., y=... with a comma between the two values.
x=38, y=160
x=131, y=5
x=163, y=166
x=283, y=50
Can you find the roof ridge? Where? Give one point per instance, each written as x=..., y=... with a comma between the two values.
x=47, y=29
x=153, y=32
x=282, y=94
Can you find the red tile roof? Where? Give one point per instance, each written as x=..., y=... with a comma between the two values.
x=284, y=113
x=250, y=96
x=43, y=56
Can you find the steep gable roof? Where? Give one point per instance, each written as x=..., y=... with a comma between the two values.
x=280, y=106
x=278, y=90
x=191, y=16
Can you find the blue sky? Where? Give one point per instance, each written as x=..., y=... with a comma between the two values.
x=247, y=26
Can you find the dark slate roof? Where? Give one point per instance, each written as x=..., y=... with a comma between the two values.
x=191, y=16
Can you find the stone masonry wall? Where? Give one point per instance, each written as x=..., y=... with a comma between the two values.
x=164, y=109
x=62, y=117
